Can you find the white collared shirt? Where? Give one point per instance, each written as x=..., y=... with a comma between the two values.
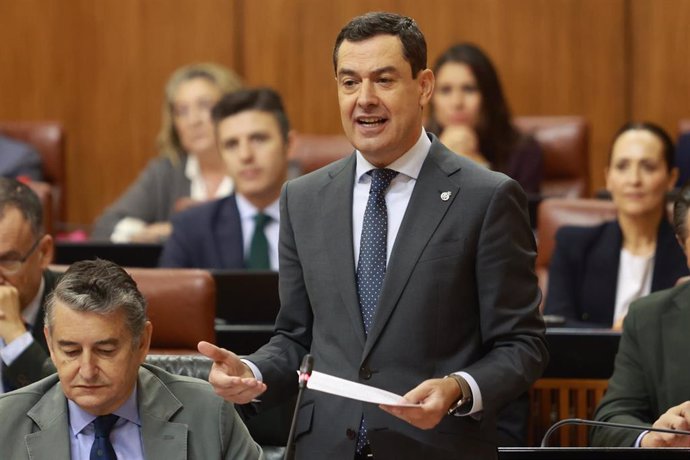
x=197, y=189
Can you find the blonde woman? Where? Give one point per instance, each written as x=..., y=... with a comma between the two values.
x=189, y=168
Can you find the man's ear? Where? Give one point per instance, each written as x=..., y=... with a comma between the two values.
x=290, y=141
x=46, y=249
x=145, y=341
x=426, y=82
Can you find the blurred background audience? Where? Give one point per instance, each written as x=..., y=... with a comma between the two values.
x=18, y=159
x=241, y=230
x=471, y=116
x=189, y=168
x=596, y=272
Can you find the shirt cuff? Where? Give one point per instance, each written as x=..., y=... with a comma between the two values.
x=638, y=441
x=255, y=370
x=477, y=404
x=126, y=228
x=16, y=347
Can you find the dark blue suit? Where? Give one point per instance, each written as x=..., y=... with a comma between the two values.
x=583, y=274
x=206, y=236
x=19, y=159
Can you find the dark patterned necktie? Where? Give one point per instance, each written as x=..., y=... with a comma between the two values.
x=371, y=267
x=258, y=249
x=102, y=449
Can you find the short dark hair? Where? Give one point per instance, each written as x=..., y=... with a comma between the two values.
x=380, y=23
x=668, y=148
x=102, y=287
x=263, y=99
x=680, y=213
x=18, y=195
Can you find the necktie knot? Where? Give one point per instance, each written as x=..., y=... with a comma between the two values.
x=260, y=220
x=380, y=179
x=102, y=448
x=103, y=425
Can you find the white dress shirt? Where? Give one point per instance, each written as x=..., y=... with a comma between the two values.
x=634, y=281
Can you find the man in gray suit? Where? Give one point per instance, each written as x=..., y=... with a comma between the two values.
x=404, y=267
x=104, y=403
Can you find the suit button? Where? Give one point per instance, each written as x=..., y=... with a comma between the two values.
x=585, y=316
x=351, y=434
x=364, y=373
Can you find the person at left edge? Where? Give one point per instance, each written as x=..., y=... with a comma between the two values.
x=253, y=135
x=98, y=335
x=25, y=282
x=18, y=159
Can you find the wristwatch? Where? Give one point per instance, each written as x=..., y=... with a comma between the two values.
x=464, y=404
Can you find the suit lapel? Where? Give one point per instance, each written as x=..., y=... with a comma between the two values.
x=51, y=416
x=337, y=217
x=601, y=273
x=424, y=213
x=668, y=260
x=674, y=328
x=162, y=438
x=228, y=234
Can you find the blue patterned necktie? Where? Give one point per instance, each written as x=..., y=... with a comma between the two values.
x=371, y=267
x=102, y=449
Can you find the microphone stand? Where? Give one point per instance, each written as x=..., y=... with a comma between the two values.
x=580, y=421
x=304, y=374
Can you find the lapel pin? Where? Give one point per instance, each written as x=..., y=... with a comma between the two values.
x=445, y=196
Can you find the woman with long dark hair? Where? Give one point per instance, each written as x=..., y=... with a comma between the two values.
x=471, y=116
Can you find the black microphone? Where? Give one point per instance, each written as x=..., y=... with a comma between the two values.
x=627, y=426
x=304, y=374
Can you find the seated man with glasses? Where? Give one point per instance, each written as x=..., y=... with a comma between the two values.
x=25, y=282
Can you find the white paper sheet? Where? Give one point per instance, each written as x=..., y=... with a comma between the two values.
x=353, y=390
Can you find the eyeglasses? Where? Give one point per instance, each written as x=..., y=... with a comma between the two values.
x=12, y=266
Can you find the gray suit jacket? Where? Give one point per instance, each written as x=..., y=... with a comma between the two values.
x=150, y=198
x=181, y=418
x=651, y=370
x=460, y=293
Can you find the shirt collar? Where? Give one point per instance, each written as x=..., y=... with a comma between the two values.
x=192, y=171
x=248, y=210
x=191, y=167
x=30, y=313
x=409, y=164
x=80, y=419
